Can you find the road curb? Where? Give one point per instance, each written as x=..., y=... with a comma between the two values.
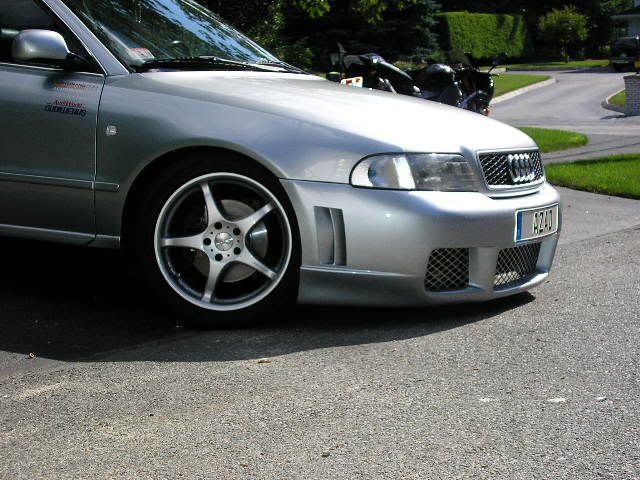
x=523, y=90
x=495, y=70
x=606, y=103
x=555, y=69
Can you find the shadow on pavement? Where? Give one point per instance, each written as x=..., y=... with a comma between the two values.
x=592, y=70
x=614, y=117
x=74, y=304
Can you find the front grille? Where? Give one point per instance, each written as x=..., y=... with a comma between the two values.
x=498, y=171
x=516, y=263
x=448, y=269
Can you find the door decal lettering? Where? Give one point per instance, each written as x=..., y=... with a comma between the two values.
x=66, y=107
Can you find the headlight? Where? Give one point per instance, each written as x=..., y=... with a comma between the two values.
x=416, y=171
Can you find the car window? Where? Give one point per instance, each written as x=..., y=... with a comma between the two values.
x=18, y=15
x=140, y=30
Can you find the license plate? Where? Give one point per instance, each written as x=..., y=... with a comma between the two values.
x=536, y=223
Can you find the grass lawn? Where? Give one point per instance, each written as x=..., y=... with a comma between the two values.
x=508, y=83
x=573, y=64
x=616, y=175
x=554, y=140
x=619, y=99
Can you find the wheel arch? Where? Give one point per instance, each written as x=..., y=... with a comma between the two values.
x=152, y=168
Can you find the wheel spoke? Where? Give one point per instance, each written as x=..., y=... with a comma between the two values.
x=247, y=223
x=183, y=242
x=247, y=258
x=213, y=213
x=215, y=268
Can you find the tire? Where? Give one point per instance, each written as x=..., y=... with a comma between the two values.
x=618, y=67
x=226, y=258
x=479, y=105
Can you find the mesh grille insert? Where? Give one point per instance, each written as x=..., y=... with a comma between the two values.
x=516, y=263
x=448, y=269
x=495, y=167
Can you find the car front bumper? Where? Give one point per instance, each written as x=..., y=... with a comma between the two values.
x=372, y=247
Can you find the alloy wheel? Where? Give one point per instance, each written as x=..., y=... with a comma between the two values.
x=223, y=241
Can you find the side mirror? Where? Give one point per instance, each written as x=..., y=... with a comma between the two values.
x=40, y=46
x=334, y=77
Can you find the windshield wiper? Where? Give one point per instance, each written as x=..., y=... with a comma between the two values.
x=284, y=65
x=207, y=62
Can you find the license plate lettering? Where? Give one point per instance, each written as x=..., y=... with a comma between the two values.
x=536, y=223
x=542, y=222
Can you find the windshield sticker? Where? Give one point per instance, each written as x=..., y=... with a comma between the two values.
x=140, y=53
x=66, y=107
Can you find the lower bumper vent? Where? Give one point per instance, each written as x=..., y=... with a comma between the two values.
x=448, y=269
x=516, y=263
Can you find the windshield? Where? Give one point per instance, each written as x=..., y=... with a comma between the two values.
x=139, y=31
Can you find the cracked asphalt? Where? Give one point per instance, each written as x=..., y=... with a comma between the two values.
x=543, y=385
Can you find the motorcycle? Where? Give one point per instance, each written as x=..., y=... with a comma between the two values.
x=372, y=71
x=462, y=85
x=477, y=86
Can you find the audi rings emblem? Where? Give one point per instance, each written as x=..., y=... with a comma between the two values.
x=521, y=168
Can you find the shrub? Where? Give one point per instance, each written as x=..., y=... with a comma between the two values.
x=296, y=53
x=565, y=28
x=483, y=35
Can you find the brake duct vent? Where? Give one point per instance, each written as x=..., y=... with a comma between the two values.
x=332, y=244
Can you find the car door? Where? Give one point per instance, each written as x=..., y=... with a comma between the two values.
x=48, y=118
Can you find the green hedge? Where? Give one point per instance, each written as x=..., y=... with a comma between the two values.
x=484, y=35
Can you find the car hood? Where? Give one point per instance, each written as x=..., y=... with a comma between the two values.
x=392, y=122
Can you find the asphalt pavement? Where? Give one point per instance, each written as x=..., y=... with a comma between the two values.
x=574, y=103
x=543, y=385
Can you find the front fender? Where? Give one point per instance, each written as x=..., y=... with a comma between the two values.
x=151, y=124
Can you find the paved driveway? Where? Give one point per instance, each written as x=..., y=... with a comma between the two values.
x=574, y=103
x=539, y=386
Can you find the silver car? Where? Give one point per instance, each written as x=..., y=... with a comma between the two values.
x=237, y=183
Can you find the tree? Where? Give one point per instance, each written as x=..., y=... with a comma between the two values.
x=600, y=26
x=252, y=15
x=565, y=27
x=262, y=20
x=371, y=10
x=302, y=31
x=400, y=31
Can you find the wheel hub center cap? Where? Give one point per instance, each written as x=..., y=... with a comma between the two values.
x=223, y=241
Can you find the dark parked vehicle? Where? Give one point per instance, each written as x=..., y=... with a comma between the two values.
x=624, y=52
